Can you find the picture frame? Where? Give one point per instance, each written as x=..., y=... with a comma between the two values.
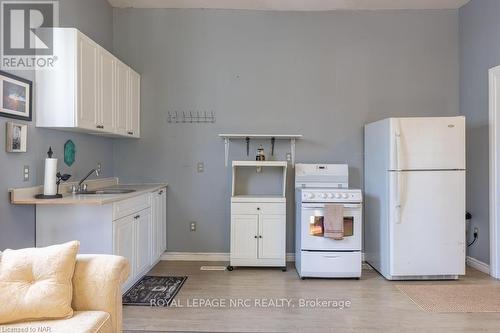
x=16, y=97
x=16, y=137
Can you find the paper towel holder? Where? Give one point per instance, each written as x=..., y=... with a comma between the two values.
x=60, y=178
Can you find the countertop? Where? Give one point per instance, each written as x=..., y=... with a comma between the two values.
x=26, y=196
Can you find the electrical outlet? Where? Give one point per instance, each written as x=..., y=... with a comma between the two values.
x=476, y=231
x=289, y=157
x=99, y=167
x=26, y=173
x=192, y=226
x=201, y=167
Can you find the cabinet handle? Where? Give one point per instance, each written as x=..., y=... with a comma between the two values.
x=130, y=133
x=258, y=208
x=160, y=193
x=137, y=216
x=255, y=237
x=260, y=236
x=100, y=126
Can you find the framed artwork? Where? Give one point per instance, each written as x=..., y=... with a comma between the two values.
x=15, y=97
x=17, y=137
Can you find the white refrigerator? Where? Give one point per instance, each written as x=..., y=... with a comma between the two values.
x=414, y=182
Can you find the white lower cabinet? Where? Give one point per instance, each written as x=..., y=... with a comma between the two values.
x=134, y=228
x=132, y=240
x=258, y=234
x=139, y=235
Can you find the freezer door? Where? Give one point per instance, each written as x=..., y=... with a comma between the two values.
x=427, y=223
x=427, y=143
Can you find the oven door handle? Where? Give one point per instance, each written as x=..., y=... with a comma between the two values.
x=319, y=206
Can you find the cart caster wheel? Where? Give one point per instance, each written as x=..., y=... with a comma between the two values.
x=230, y=268
x=283, y=269
x=302, y=278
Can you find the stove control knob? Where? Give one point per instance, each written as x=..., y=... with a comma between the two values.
x=337, y=195
x=324, y=195
x=345, y=195
x=330, y=195
x=309, y=195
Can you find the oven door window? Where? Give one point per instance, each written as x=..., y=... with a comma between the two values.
x=316, y=227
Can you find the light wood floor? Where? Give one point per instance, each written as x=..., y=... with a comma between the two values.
x=377, y=305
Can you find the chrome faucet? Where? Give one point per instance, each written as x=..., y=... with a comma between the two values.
x=81, y=187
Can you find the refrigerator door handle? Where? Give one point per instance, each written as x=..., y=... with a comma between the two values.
x=397, y=137
x=398, y=206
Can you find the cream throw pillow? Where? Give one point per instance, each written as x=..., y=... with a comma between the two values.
x=35, y=283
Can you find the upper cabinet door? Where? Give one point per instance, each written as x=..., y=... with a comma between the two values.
x=87, y=113
x=134, y=104
x=121, y=97
x=107, y=98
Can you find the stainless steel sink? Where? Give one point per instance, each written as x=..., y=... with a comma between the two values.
x=108, y=191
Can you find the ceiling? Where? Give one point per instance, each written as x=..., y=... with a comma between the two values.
x=293, y=5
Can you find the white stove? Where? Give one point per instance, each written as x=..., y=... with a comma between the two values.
x=318, y=185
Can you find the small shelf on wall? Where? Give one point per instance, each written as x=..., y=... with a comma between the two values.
x=228, y=137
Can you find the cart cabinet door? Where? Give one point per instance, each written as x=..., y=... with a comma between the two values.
x=272, y=236
x=244, y=236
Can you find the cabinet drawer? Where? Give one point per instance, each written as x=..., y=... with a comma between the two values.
x=255, y=208
x=130, y=206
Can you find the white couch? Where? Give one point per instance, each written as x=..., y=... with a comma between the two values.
x=97, y=299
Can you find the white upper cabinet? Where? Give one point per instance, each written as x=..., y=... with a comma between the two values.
x=88, y=90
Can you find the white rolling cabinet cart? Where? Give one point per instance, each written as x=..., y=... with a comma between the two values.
x=258, y=221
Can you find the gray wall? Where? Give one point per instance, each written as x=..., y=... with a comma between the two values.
x=323, y=75
x=17, y=223
x=479, y=51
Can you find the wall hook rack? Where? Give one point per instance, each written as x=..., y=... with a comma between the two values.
x=191, y=117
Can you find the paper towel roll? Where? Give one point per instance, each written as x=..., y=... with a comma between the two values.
x=49, y=184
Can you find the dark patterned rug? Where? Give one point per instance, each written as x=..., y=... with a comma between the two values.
x=154, y=291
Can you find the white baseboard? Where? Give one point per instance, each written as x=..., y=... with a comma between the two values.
x=212, y=256
x=195, y=256
x=479, y=265
x=205, y=256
